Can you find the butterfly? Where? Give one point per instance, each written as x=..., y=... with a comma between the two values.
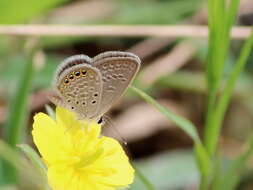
x=90, y=86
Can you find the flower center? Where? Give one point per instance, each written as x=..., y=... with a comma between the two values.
x=88, y=159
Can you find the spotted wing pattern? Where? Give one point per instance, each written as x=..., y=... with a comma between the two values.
x=80, y=88
x=118, y=70
x=70, y=62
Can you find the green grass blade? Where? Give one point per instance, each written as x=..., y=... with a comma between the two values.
x=203, y=161
x=14, y=127
x=231, y=15
x=219, y=41
x=183, y=123
x=202, y=158
x=143, y=179
x=220, y=21
x=18, y=107
x=218, y=115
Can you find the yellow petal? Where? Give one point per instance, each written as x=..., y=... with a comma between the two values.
x=67, y=178
x=59, y=178
x=95, y=185
x=85, y=140
x=67, y=119
x=116, y=161
x=51, y=139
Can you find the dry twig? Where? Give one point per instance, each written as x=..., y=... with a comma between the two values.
x=112, y=30
x=169, y=63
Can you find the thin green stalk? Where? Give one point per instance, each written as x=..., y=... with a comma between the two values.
x=144, y=180
x=220, y=24
x=210, y=16
x=231, y=15
x=183, y=123
x=13, y=130
x=202, y=159
x=216, y=55
x=219, y=40
x=210, y=109
x=218, y=115
x=203, y=183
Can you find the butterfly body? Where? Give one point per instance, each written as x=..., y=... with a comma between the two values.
x=90, y=86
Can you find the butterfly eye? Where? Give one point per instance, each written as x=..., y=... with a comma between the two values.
x=66, y=81
x=100, y=120
x=71, y=77
x=77, y=73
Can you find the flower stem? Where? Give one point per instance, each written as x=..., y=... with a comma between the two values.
x=145, y=181
x=203, y=183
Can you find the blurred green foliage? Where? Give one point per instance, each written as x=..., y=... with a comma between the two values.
x=18, y=113
x=166, y=170
x=153, y=12
x=15, y=11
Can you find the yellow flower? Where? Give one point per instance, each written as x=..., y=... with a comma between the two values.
x=77, y=157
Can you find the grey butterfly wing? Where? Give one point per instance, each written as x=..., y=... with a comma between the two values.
x=70, y=62
x=118, y=70
x=79, y=88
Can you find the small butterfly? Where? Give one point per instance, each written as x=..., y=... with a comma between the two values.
x=90, y=86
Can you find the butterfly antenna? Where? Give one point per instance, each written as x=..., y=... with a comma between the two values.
x=108, y=121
